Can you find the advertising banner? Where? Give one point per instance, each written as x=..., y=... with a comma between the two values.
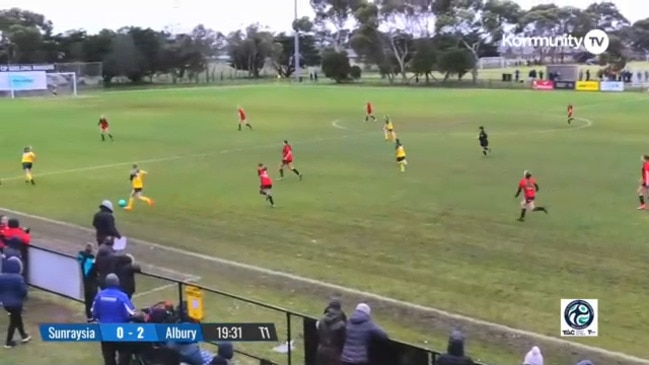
x=542, y=85
x=564, y=85
x=21, y=81
x=16, y=68
x=587, y=86
x=611, y=86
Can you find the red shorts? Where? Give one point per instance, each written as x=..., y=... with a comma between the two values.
x=286, y=162
x=104, y=129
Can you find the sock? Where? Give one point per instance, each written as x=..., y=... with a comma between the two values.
x=387, y=137
x=523, y=211
x=402, y=167
x=540, y=209
x=145, y=199
x=239, y=126
x=641, y=198
x=367, y=117
x=130, y=203
x=484, y=152
x=103, y=138
x=270, y=200
x=29, y=177
x=249, y=126
x=110, y=136
x=281, y=172
x=296, y=172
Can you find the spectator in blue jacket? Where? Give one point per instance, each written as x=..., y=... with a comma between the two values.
x=111, y=305
x=361, y=331
x=13, y=291
x=224, y=354
x=455, y=351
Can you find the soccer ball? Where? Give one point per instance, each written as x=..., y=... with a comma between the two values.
x=122, y=203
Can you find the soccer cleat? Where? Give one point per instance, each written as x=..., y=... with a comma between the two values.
x=521, y=219
x=26, y=339
x=642, y=207
x=300, y=177
x=10, y=345
x=128, y=209
x=151, y=202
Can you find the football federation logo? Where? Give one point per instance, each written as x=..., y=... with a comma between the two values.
x=579, y=318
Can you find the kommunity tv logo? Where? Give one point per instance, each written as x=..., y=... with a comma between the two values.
x=595, y=41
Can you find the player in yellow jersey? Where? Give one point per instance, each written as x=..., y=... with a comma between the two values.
x=388, y=130
x=401, y=155
x=28, y=159
x=137, y=184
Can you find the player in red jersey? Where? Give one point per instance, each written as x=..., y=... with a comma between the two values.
x=643, y=189
x=242, y=118
x=287, y=161
x=369, y=112
x=265, y=184
x=528, y=187
x=103, y=128
x=571, y=109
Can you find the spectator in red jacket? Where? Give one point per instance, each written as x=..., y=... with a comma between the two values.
x=4, y=221
x=18, y=239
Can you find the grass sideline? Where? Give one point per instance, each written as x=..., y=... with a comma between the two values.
x=317, y=219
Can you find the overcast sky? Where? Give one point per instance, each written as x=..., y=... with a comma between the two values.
x=224, y=16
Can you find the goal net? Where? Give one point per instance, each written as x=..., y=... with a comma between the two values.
x=38, y=84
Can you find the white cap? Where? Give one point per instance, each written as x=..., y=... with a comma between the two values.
x=107, y=204
x=363, y=308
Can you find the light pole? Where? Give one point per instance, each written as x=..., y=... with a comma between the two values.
x=296, y=55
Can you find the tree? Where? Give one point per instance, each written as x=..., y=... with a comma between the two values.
x=424, y=59
x=249, y=50
x=335, y=65
x=124, y=58
x=336, y=14
x=23, y=33
x=456, y=61
x=149, y=45
x=283, y=53
x=640, y=35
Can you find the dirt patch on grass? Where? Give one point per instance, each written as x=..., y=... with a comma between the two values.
x=70, y=239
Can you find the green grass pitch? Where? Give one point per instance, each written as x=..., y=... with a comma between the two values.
x=442, y=234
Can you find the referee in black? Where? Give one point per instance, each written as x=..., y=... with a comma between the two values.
x=104, y=223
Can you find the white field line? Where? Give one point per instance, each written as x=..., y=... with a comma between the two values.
x=357, y=292
x=176, y=157
x=192, y=279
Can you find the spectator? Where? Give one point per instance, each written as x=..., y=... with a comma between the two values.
x=86, y=259
x=455, y=352
x=585, y=362
x=18, y=239
x=105, y=261
x=125, y=268
x=13, y=291
x=360, y=332
x=111, y=305
x=104, y=223
x=190, y=352
x=533, y=357
x=224, y=354
x=331, y=334
x=4, y=221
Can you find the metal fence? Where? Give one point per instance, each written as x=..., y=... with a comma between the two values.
x=291, y=325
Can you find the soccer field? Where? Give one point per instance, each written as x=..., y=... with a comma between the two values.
x=443, y=234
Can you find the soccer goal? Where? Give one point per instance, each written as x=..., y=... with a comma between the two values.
x=38, y=84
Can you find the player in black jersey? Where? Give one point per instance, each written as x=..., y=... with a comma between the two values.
x=483, y=138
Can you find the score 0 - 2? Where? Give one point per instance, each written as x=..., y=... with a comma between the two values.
x=128, y=332
x=248, y=332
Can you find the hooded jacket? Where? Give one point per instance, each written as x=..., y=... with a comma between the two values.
x=88, y=268
x=455, y=352
x=13, y=289
x=331, y=335
x=125, y=270
x=14, y=236
x=360, y=331
x=111, y=305
x=105, y=262
x=533, y=357
x=224, y=354
x=104, y=222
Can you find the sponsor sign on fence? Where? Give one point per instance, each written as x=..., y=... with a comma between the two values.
x=564, y=85
x=587, y=86
x=611, y=86
x=20, y=81
x=542, y=85
x=15, y=68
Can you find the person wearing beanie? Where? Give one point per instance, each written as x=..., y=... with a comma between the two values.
x=126, y=268
x=361, y=332
x=455, y=352
x=331, y=334
x=104, y=222
x=533, y=357
x=111, y=305
x=18, y=239
x=13, y=291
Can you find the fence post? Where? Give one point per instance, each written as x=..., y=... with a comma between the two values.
x=289, y=335
x=180, y=295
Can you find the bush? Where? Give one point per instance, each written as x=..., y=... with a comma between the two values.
x=355, y=72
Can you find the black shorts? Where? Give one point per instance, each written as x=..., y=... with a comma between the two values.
x=484, y=144
x=399, y=159
x=27, y=165
x=137, y=190
x=287, y=162
x=265, y=187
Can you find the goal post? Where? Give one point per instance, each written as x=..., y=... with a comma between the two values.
x=39, y=84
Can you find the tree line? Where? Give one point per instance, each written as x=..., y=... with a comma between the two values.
x=399, y=38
